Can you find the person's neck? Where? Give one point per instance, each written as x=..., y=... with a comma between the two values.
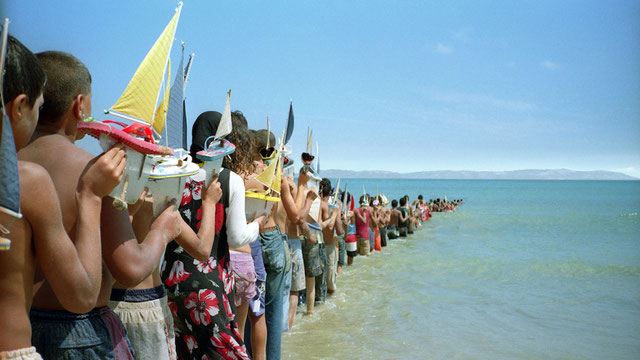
x=46, y=129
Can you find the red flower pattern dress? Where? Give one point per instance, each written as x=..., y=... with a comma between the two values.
x=199, y=291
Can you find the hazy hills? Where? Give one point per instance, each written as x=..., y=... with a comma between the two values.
x=530, y=174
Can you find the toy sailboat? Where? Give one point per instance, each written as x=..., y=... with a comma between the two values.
x=289, y=170
x=259, y=202
x=138, y=105
x=169, y=173
x=333, y=201
x=218, y=147
x=9, y=186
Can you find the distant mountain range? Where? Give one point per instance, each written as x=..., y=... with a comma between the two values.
x=532, y=174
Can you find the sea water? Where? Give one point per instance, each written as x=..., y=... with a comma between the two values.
x=522, y=270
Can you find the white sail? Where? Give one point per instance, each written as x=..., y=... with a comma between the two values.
x=225, y=127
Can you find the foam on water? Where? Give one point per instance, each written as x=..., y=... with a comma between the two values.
x=524, y=270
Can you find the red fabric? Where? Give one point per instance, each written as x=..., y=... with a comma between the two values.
x=377, y=243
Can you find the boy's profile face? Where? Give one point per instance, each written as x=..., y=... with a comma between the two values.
x=24, y=126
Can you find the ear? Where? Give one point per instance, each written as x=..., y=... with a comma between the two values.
x=16, y=107
x=78, y=111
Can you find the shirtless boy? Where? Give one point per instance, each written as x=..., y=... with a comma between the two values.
x=39, y=236
x=57, y=333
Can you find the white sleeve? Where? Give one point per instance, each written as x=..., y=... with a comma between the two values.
x=239, y=232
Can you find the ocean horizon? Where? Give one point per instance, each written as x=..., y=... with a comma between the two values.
x=524, y=269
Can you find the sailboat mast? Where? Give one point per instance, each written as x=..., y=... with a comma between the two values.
x=179, y=10
x=187, y=70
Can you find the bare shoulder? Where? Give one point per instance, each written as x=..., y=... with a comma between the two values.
x=35, y=185
x=31, y=173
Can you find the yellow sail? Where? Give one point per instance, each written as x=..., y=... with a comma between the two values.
x=266, y=178
x=161, y=112
x=141, y=95
x=275, y=185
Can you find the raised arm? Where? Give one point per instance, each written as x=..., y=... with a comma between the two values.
x=199, y=245
x=74, y=272
x=288, y=201
x=128, y=261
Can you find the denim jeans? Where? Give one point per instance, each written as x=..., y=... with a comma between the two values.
x=274, y=257
x=342, y=251
x=286, y=290
x=321, y=280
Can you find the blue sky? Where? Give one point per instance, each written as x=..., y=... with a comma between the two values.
x=386, y=85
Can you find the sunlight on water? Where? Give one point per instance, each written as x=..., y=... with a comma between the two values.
x=524, y=270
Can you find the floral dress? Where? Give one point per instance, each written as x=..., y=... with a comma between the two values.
x=199, y=292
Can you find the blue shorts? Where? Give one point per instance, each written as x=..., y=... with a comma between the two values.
x=257, y=304
x=98, y=334
x=342, y=250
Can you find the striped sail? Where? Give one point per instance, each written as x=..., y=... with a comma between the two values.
x=175, y=111
x=9, y=186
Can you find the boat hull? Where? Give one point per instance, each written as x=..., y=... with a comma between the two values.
x=258, y=204
x=212, y=158
x=167, y=181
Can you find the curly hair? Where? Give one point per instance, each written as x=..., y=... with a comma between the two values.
x=241, y=161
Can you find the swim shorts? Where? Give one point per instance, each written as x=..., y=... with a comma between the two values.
x=245, y=276
x=402, y=231
x=146, y=316
x=392, y=232
x=332, y=266
x=342, y=251
x=98, y=334
x=383, y=236
x=21, y=354
x=311, y=259
x=363, y=246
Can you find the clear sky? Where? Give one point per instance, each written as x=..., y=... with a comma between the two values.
x=386, y=85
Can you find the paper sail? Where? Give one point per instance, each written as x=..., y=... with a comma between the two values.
x=317, y=159
x=175, y=118
x=139, y=99
x=290, y=124
x=309, y=141
x=184, y=106
x=271, y=176
x=160, y=117
x=225, y=127
x=10, y=185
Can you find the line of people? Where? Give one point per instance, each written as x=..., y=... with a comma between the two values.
x=85, y=280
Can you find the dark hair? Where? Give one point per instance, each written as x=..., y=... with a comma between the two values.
x=394, y=203
x=23, y=73
x=66, y=78
x=325, y=187
x=261, y=139
x=241, y=161
x=240, y=118
x=403, y=201
x=419, y=197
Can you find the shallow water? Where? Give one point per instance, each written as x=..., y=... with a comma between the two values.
x=523, y=270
